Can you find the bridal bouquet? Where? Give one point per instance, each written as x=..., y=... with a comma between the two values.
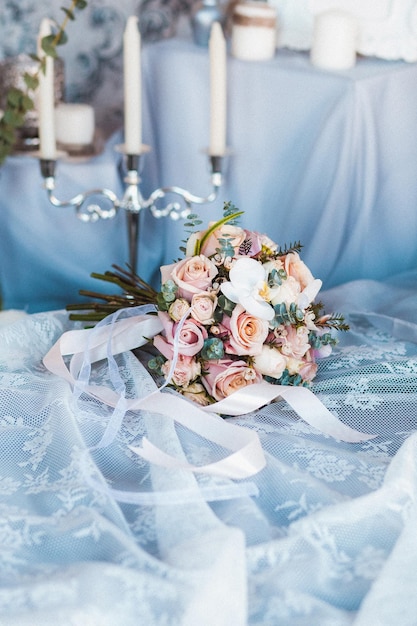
x=236, y=310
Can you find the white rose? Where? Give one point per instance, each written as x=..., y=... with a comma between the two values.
x=270, y=362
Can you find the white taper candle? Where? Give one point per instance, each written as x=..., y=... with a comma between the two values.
x=132, y=87
x=217, y=53
x=46, y=99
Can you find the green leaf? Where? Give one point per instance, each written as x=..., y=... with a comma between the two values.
x=35, y=57
x=48, y=46
x=70, y=15
x=27, y=103
x=7, y=135
x=215, y=226
x=80, y=4
x=14, y=97
x=31, y=81
x=13, y=118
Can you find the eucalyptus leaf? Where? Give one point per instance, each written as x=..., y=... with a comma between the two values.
x=13, y=118
x=31, y=81
x=48, y=45
x=68, y=13
x=14, y=96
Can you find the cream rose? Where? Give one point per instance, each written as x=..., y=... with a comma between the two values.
x=186, y=370
x=203, y=306
x=267, y=243
x=288, y=292
x=305, y=368
x=271, y=362
x=178, y=309
x=196, y=393
x=235, y=234
x=247, y=333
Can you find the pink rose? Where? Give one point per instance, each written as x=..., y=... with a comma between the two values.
x=295, y=342
x=224, y=377
x=306, y=368
x=186, y=370
x=203, y=306
x=271, y=362
x=248, y=333
x=296, y=268
x=308, y=371
x=191, y=275
x=190, y=338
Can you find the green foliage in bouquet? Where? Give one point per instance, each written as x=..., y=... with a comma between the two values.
x=19, y=102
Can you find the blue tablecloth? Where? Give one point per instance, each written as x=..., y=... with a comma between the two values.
x=325, y=534
x=325, y=158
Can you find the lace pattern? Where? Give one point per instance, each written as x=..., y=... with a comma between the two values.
x=320, y=536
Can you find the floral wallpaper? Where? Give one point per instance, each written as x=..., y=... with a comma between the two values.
x=93, y=54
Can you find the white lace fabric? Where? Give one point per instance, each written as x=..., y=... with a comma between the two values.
x=324, y=535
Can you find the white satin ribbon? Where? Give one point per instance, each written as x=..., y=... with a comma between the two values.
x=104, y=341
x=115, y=336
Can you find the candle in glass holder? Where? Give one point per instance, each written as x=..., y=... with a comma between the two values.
x=335, y=37
x=217, y=54
x=46, y=98
x=132, y=87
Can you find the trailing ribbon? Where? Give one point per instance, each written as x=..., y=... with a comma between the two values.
x=113, y=336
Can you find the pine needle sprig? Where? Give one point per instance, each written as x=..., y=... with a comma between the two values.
x=336, y=321
x=292, y=247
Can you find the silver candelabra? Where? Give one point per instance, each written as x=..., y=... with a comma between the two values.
x=132, y=201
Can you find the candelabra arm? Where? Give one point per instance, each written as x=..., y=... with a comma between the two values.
x=93, y=211
x=174, y=209
x=132, y=201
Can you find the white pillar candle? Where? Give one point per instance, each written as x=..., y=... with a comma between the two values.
x=46, y=99
x=132, y=87
x=217, y=54
x=74, y=124
x=335, y=37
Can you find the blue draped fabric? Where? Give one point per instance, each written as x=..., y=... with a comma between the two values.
x=325, y=158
